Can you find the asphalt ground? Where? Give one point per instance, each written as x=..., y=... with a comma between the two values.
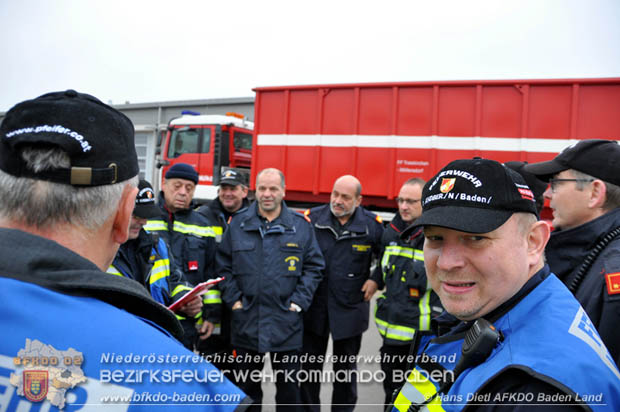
x=370, y=394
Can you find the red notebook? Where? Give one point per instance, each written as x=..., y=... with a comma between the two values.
x=200, y=289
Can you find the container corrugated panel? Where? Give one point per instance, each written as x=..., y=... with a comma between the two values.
x=386, y=133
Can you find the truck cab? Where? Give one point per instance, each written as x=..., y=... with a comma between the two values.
x=208, y=143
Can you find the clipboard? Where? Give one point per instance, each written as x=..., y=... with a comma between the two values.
x=199, y=289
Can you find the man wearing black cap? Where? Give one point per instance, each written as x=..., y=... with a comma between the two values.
x=584, y=248
x=537, y=186
x=231, y=200
x=512, y=333
x=67, y=188
x=192, y=243
x=145, y=258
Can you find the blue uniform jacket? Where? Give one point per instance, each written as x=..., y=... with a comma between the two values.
x=268, y=265
x=95, y=336
x=599, y=293
x=347, y=266
x=150, y=265
x=547, y=335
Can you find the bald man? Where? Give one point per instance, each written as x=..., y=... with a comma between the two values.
x=349, y=237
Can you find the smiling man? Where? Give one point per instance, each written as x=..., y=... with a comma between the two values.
x=483, y=255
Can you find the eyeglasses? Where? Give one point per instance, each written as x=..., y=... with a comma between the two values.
x=554, y=182
x=410, y=202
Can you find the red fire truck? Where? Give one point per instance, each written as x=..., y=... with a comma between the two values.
x=386, y=133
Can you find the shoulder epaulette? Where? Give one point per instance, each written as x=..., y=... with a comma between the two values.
x=306, y=215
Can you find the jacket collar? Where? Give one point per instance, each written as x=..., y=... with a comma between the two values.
x=48, y=264
x=252, y=220
x=567, y=249
x=356, y=223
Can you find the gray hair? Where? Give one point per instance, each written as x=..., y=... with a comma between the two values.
x=612, y=196
x=272, y=170
x=40, y=203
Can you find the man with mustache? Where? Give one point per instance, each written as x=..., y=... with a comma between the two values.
x=349, y=237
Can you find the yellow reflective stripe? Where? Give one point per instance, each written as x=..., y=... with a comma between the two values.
x=425, y=308
x=416, y=390
x=395, y=332
x=155, y=225
x=161, y=269
x=394, y=250
x=212, y=296
x=200, y=231
x=418, y=255
x=113, y=271
x=179, y=289
x=218, y=230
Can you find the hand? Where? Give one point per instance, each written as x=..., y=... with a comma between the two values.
x=237, y=305
x=193, y=307
x=205, y=330
x=369, y=288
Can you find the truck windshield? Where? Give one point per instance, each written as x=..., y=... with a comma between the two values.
x=187, y=140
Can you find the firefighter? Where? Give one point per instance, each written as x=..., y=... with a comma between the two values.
x=349, y=237
x=512, y=334
x=408, y=303
x=145, y=258
x=584, y=247
x=231, y=200
x=272, y=265
x=68, y=178
x=192, y=243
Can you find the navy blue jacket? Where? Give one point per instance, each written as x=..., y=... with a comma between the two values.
x=566, y=252
x=268, y=265
x=338, y=304
x=191, y=240
x=55, y=301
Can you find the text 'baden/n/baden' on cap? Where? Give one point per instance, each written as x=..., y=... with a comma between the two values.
x=474, y=196
x=98, y=139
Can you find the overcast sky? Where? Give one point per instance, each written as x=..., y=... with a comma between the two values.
x=149, y=51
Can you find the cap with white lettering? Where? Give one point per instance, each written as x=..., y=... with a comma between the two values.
x=475, y=196
x=98, y=139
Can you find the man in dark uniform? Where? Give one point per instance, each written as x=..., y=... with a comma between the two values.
x=349, y=237
x=409, y=303
x=145, y=257
x=191, y=239
x=584, y=247
x=231, y=200
x=272, y=265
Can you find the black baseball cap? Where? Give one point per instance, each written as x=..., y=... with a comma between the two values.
x=145, y=202
x=231, y=177
x=537, y=185
x=595, y=157
x=475, y=196
x=98, y=139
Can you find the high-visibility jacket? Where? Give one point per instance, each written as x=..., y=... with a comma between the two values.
x=146, y=260
x=408, y=303
x=547, y=335
x=191, y=241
